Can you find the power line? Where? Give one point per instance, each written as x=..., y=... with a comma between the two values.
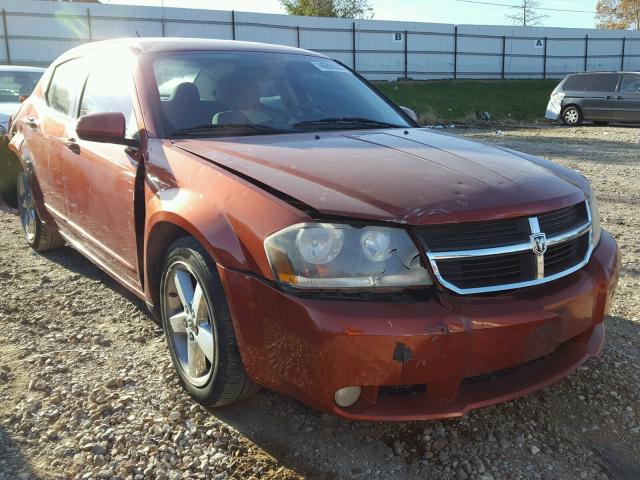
x=478, y=2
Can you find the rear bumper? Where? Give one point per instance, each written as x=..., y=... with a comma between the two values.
x=554, y=108
x=310, y=348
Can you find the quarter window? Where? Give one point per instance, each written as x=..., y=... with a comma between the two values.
x=65, y=84
x=576, y=82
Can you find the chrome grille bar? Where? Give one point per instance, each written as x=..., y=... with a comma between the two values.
x=522, y=247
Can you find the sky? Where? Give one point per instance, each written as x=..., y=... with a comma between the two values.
x=438, y=11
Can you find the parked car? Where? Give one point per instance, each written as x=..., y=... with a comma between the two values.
x=16, y=83
x=294, y=229
x=600, y=97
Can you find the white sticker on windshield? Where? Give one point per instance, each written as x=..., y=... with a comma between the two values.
x=328, y=66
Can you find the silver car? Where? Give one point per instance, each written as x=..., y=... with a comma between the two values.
x=15, y=82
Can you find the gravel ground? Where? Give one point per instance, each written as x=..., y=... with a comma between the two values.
x=87, y=389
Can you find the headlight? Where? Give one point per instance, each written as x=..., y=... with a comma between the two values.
x=331, y=256
x=595, y=218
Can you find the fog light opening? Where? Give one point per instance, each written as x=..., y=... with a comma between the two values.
x=347, y=396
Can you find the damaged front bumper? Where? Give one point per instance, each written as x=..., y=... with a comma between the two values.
x=419, y=360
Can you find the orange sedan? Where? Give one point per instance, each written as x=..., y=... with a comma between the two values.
x=294, y=229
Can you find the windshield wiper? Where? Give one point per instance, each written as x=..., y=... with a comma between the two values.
x=348, y=121
x=226, y=127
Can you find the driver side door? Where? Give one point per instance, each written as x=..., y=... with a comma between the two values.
x=99, y=178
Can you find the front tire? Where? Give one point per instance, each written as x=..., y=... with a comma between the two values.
x=572, y=116
x=40, y=236
x=198, y=327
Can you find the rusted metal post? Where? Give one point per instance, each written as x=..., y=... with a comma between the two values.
x=455, y=52
x=233, y=24
x=586, y=52
x=89, y=25
x=544, y=66
x=406, y=54
x=6, y=36
x=504, y=54
x=353, y=44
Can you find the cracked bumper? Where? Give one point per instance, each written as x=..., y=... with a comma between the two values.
x=525, y=339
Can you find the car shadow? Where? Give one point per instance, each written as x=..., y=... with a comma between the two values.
x=12, y=461
x=75, y=262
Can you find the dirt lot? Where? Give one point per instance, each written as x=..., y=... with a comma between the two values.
x=87, y=390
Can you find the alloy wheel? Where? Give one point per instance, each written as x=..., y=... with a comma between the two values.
x=27, y=209
x=571, y=116
x=189, y=323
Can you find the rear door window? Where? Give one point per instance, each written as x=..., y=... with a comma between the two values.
x=630, y=84
x=65, y=85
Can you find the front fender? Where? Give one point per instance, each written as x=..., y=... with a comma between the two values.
x=229, y=216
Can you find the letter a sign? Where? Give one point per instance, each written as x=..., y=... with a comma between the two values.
x=539, y=43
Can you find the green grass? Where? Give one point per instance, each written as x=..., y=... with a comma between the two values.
x=455, y=100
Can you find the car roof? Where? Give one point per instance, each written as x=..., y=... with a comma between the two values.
x=172, y=44
x=19, y=68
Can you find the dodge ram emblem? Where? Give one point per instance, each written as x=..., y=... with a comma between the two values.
x=538, y=243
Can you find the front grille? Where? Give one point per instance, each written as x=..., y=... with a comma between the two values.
x=499, y=255
x=561, y=256
x=487, y=271
x=476, y=235
x=565, y=219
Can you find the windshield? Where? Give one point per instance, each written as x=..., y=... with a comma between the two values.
x=251, y=93
x=15, y=84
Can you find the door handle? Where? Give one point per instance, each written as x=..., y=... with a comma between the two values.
x=71, y=144
x=619, y=97
x=31, y=122
x=609, y=97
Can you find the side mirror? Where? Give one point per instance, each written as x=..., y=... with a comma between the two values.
x=108, y=127
x=411, y=113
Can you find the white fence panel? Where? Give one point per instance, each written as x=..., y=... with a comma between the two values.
x=37, y=32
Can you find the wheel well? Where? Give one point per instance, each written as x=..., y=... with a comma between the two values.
x=571, y=105
x=10, y=166
x=158, y=243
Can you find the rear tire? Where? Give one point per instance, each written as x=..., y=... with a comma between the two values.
x=40, y=236
x=198, y=327
x=572, y=116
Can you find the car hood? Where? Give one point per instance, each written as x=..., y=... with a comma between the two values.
x=414, y=176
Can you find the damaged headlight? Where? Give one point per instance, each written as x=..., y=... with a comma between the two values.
x=334, y=256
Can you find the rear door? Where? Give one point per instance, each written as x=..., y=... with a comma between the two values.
x=599, y=96
x=628, y=99
x=99, y=178
x=46, y=128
